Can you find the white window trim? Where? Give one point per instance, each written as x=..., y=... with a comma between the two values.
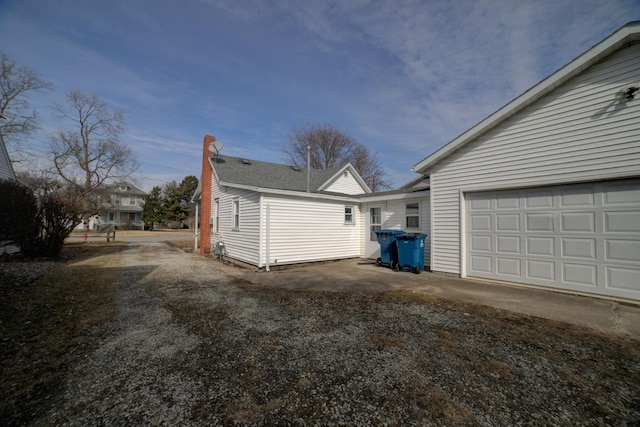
x=235, y=218
x=351, y=221
x=417, y=215
x=216, y=215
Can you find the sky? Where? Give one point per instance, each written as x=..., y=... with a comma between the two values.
x=403, y=78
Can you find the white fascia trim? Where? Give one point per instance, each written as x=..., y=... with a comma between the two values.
x=197, y=194
x=398, y=196
x=609, y=176
x=354, y=172
x=626, y=34
x=291, y=193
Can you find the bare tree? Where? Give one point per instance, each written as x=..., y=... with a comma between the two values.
x=89, y=155
x=332, y=147
x=17, y=119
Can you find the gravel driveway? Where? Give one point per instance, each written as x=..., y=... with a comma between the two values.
x=194, y=343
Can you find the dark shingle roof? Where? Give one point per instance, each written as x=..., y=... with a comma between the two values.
x=235, y=170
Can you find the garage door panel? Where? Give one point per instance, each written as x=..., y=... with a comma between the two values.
x=579, y=248
x=539, y=222
x=541, y=270
x=508, y=222
x=480, y=222
x=481, y=264
x=623, y=278
x=579, y=274
x=508, y=266
x=577, y=221
x=508, y=244
x=481, y=243
x=621, y=193
x=622, y=222
x=480, y=202
x=622, y=250
x=508, y=201
x=582, y=237
x=579, y=197
x=540, y=246
x=539, y=199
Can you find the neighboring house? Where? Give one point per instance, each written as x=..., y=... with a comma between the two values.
x=269, y=214
x=6, y=167
x=546, y=191
x=121, y=206
x=6, y=172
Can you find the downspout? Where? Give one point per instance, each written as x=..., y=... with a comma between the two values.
x=308, y=166
x=267, y=238
x=195, y=235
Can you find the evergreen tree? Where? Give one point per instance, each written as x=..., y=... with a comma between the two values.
x=153, y=211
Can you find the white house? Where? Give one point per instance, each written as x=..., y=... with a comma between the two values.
x=268, y=214
x=121, y=206
x=546, y=191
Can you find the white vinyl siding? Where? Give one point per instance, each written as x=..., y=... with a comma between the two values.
x=242, y=243
x=579, y=132
x=396, y=220
x=345, y=185
x=303, y=230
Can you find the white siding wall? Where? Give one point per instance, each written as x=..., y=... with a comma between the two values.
x=396, y=219
x=578, y=132
x=241, y=244
x=346, y=185
x=309, y=230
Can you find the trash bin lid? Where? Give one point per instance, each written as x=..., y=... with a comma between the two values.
x=411, y=236
x=389, y=232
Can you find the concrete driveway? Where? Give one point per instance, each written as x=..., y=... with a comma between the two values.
x=361, y=275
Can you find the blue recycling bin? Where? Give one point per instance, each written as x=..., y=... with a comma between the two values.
x=388, y=249
x=410, y=252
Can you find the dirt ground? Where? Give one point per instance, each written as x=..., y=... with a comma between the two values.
x=145, y=333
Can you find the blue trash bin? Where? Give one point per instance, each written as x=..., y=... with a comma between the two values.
x=410, y=252
x=388, y=249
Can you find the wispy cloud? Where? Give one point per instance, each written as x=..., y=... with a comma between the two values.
x=402, y=76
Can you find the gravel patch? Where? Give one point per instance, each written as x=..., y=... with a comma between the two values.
x=195, y=344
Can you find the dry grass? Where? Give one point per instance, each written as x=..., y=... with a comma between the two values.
x=271, y=356
x=47, y=325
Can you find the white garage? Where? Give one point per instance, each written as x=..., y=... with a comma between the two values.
x=546, y=190
x=583, y=237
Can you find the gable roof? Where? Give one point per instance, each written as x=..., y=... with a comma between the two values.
x=131, y=190
x=253, y=173
x=627, y=34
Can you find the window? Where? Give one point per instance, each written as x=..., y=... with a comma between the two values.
x=132, y=200
x=132, y=216
x=236, y=213
x=375, y=223
x=116, y=199
x=111, y=216
x=216, y=215
x=348, y=215
x=413, y=215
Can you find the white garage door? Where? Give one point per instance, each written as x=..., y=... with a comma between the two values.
x=583, y=237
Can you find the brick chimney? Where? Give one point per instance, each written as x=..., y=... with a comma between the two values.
x=205, y=197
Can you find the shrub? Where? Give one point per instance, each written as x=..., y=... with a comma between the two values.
x=38, y=225
x=18, y=213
